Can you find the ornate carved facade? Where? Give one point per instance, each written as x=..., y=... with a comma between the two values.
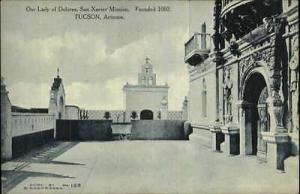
x=254, y=80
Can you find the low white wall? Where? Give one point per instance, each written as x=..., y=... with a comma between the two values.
x=26, y=123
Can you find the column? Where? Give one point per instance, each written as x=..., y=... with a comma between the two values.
x=221, y=94
x=245, y=114
x=185, y=109
x=164, y=109
x=203, y=36
x=277, y=139
x=231, y=139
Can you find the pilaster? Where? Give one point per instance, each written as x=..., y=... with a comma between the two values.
x=278, y=148
x=217, y=137
x=231, y=139
x=6, y=131
x=245, y=114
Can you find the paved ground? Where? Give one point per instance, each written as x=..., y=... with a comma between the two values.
x=140, y=167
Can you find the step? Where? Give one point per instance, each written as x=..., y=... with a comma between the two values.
x=201, y=140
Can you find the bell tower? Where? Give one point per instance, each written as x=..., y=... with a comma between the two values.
x=57, y=98
x=146, y=77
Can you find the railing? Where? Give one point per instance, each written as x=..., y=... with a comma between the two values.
x=226, y=2
x=117, y=116
x=175, y=115
x=228, y=5
x=197, y=45
x=26, y=123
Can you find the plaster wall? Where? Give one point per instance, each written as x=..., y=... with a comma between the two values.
x=26, y=123
x=195, y=99
x=140, y=98
x=72, y=112
x=6, y=130
x=57, y=102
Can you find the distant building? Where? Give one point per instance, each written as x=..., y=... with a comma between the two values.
x=146, y=99
x=243, y=94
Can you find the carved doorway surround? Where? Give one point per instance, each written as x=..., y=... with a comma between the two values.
x=263, y=124
x=254, y=117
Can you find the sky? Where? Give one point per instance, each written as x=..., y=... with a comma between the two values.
x=95, y=57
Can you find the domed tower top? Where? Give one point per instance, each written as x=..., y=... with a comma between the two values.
x=164, y=101
x=146, y=76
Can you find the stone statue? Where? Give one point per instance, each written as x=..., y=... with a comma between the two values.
x=227, y=93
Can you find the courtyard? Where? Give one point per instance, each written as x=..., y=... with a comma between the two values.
x=139, y=167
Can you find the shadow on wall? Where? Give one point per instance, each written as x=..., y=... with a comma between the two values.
x=25, y=143
x=84, y=130
x=102, y=130
x=159, y=130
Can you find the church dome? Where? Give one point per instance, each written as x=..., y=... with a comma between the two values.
x=164, y=101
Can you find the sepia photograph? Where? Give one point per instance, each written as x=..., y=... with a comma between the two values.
x=149, y=97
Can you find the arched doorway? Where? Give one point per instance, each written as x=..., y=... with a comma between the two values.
x=255, y=117
x=146, y=115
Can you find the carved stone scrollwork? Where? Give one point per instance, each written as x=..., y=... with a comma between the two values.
x=246, y=64
x=294, y=64
x=217, y=38
x=275, y=24
x=277, y=107
x=266, y=55
x=234, y=48
x=275, y=79
x=263, y=119
x=294, y=87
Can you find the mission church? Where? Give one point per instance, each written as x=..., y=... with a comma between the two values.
x=142, y=101
x=146, y=99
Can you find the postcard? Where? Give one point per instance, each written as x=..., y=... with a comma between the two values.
x=149, y=96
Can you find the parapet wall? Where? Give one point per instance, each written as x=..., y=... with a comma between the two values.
x=83, y=130
x=158, y=130
x=119, y=116
x=22, y=131
x=26, y=123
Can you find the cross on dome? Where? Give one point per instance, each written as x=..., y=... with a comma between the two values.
x=57, y=72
